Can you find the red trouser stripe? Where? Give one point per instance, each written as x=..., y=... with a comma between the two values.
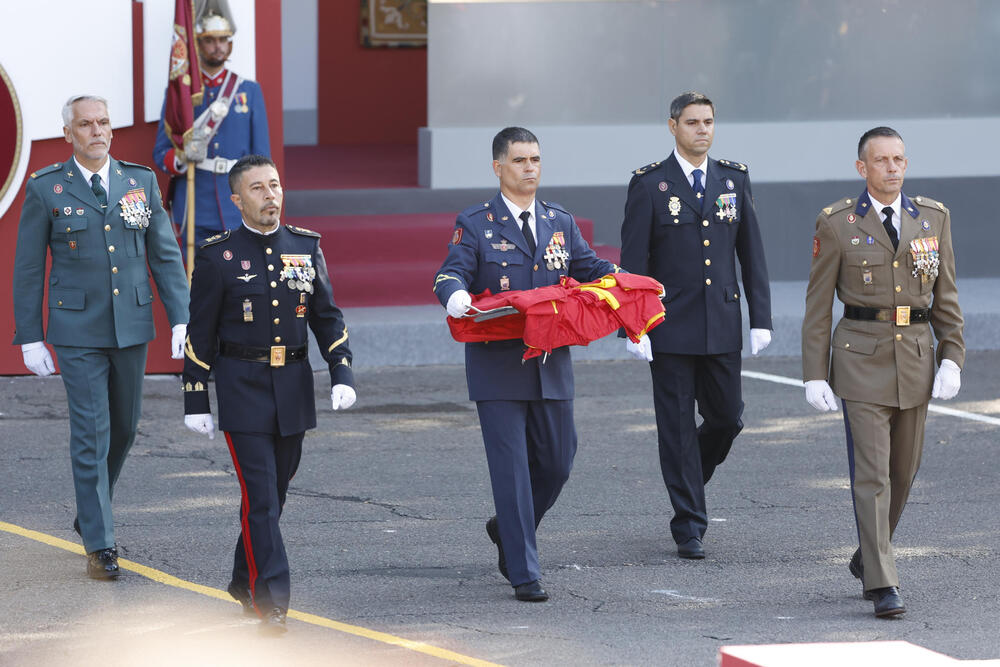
x=245, y=523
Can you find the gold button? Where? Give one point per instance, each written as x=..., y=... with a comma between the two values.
x=60, y=303
x=704, y=223
x=864, y=262
x=895, y=264
x=274, y=284
x=676, y=221
x=114, y=269
x=899, y=336
x=268, y=251
x=277, y=320
x=847, y=201
x=736, y=296
x=111, y=248
x=708, y=281
x=274, y=303
x=115, y=291
x=107, y=228
x=706, y=243
x=898, y=288
x=69, y=229
x=277, y=339
x=708, y=262
x=270, y=267
x=503, y=263
x=846, y=345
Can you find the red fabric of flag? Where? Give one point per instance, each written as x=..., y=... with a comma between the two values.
x=184, y=87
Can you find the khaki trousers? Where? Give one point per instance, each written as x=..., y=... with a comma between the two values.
x=884, y=445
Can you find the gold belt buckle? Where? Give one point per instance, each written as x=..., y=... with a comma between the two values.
x=902, y=316
x=277, y=356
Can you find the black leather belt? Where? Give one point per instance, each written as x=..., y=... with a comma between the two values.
x=900, y=315
x=276, y=355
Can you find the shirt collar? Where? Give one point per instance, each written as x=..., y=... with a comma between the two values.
x=259, y=233
x=515, y=210
x=104, y=171
x=687, y=167
x=897, y=205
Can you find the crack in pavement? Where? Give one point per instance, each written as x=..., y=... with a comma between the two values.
x=394, y=509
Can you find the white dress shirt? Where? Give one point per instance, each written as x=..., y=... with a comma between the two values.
x=515, y=211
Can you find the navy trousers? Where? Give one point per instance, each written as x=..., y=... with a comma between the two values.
x=530, y=447
x=265, y=463
x=690, y=454
x=104, y=392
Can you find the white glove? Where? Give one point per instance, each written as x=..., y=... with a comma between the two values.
x=342, y=396
x=195, y=150
x=458, y=303
x=201, y=424
x=641, y=350
x=947, y=381
x=38, y=360
x=177, y=335
x=179, y=164
x=759, y=340
x=820, y=396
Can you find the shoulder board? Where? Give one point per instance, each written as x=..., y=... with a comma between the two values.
x=551, y=204
x=846, y=202
x=648, y=167
x=478, y=209
x=135, y=164
x=47, y=170
x=738, y=166
x=212, y=240
x=302, y=231
x=929, y=203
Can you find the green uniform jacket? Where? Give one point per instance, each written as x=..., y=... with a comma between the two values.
x=99, y=284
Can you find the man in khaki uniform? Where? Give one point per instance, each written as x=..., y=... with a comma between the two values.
x=890, y=260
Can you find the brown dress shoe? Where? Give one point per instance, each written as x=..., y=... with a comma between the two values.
x=103, y=564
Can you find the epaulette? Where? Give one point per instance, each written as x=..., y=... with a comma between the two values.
x=930, y=203
x=478, y=209
x=643, y=170
x=135, y=164
x=212, y=240
x=838, y=206
x=738, y=166
x=47, y=170
x=302, y=231
x=558, y=207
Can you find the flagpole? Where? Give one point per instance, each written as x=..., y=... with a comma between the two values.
x=189, y=214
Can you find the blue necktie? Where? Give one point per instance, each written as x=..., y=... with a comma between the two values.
x=699, y=189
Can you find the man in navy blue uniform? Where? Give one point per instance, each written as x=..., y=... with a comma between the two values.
x=516, y=242
x=687, y=219
x=253, y=291
x=231, y=121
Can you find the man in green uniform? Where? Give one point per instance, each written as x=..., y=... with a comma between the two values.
x=104, y=224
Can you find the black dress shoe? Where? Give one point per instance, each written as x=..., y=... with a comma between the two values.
x=76, y=525
x=273, y=623
x=691, y=548
x=887, y=601
x=103, y=564
x=531, y=592
x=856, y=566
x=241, y=594
x=494, y=532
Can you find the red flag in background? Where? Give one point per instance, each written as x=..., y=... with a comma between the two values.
x=184, y=87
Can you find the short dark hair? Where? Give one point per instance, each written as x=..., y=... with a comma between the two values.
x=508, y=136
x=246, y=163
x=685, y=100
x=881, y=131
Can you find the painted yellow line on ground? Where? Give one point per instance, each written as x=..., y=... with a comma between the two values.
x=940, y=409
x=170, y=580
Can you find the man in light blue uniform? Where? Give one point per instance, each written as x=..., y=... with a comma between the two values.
x=103, y=222
x=234, y=110
x=515, y=242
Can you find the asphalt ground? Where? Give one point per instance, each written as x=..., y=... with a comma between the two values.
x=384, y=528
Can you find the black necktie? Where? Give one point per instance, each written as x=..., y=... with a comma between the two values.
x=699, y=189
x=526, y=230
x=99, y=192
x=889, y=229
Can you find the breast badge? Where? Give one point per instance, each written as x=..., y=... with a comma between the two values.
x=298, y=271
x=556, y=257
x=727, y=206
x=674, y=206
x=135, y=211
x=925, y=258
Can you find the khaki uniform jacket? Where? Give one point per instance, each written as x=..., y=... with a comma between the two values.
x=880, y=362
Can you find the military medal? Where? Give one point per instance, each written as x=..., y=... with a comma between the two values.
x=68, y=210
x=555, y=256
x=504, y=283
x=135, y=211
x=674, y=206
x=926, y=259
x=300, y=311
x=247, y=311
x=727, y=206
x=298, y=271
x=866, y=277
